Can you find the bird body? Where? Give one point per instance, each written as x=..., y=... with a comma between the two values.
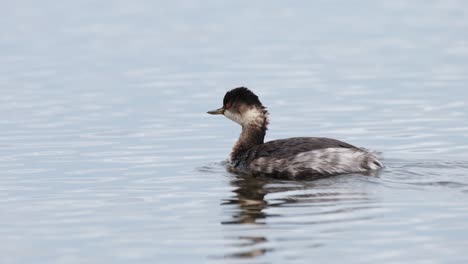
x=292, y=158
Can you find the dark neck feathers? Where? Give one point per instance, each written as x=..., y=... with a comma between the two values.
x=252, y=135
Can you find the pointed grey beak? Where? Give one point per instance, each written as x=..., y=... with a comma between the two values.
x=219, y=111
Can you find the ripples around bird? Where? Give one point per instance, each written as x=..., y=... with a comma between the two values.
x=107, y=155
x=284, y=216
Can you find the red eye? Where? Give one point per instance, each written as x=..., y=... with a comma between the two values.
x=227, y=106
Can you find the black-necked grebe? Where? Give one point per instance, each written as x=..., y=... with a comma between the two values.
x=292, y=158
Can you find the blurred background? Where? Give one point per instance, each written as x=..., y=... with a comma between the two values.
x=107, y=155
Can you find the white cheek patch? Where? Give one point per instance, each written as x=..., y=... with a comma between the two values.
x=252, y=116
x=233, y=116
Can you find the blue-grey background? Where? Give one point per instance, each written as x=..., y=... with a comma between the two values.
x=107, y=155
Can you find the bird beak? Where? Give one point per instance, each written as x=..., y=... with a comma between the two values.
x=219, y=111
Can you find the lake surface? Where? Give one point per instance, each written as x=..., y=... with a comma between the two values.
x=107, y=154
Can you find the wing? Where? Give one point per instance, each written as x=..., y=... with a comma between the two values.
x=284, y=148
x=296, y=158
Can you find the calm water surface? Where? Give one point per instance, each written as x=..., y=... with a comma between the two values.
x=107, y=155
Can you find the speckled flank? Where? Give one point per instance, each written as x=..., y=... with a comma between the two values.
x=326, y=161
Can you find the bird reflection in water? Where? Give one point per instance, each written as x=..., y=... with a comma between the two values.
x=250, y=199
x=250, y=195
x=248, y=206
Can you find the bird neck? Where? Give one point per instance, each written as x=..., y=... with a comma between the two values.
x=250, y=137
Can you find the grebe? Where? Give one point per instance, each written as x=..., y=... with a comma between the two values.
x=292, y=158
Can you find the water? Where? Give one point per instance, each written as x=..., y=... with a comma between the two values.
x=107, y=155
